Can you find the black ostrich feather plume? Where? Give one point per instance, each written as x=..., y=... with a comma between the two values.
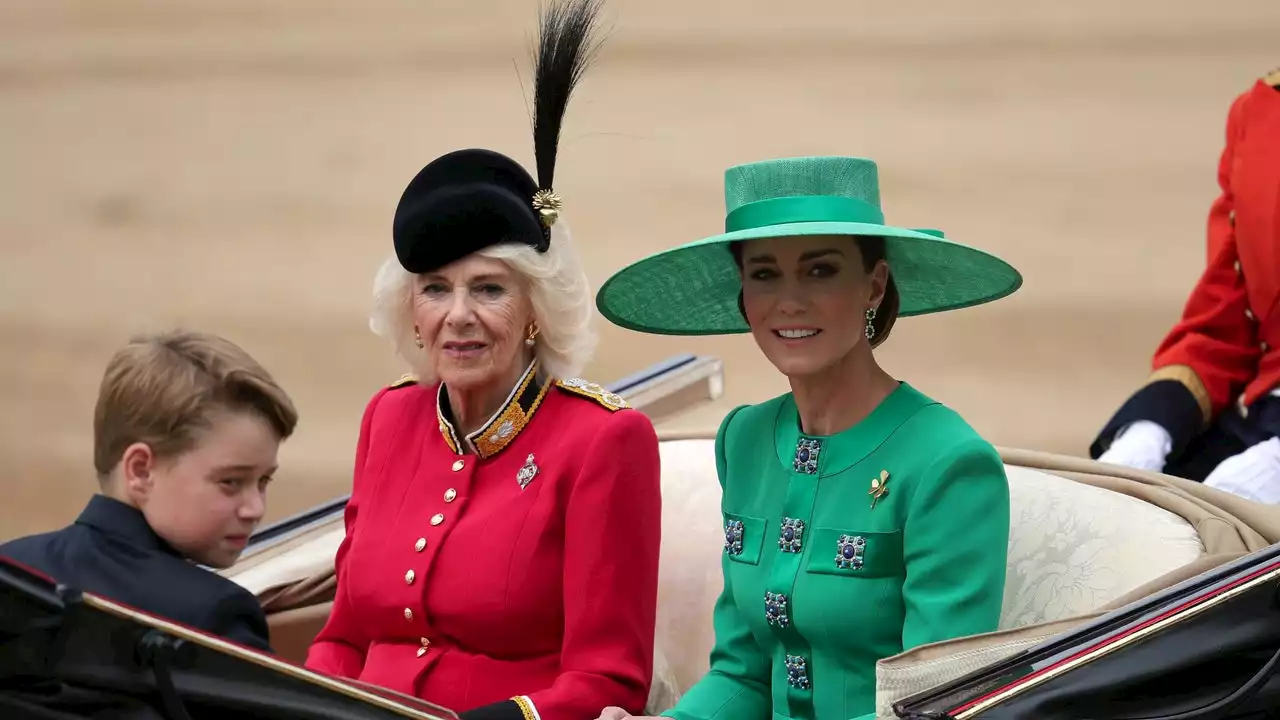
x=567, y=43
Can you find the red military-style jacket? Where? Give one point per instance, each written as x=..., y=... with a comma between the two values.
x=511, y=573
x=1225, y=351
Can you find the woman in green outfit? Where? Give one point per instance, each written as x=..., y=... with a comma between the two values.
x=861, y=517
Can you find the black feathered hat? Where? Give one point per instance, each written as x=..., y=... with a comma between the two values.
x=467, y=200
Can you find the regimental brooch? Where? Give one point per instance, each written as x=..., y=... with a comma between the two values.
x=527, y=472
x=878, y=487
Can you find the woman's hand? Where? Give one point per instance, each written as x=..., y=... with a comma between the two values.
x=617, y=713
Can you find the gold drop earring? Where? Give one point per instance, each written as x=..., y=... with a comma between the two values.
x=533, y=333
x=417, y=338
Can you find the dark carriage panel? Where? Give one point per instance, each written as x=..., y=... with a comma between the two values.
x=66, y=654
x=1206, y=648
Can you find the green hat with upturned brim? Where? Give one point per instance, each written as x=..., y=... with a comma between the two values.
x=693, y=289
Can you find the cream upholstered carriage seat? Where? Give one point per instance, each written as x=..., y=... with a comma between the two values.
x=1073, y=548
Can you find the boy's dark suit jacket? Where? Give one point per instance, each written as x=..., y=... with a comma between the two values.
x=111, y=551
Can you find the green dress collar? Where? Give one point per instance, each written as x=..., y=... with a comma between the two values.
x=824, y=455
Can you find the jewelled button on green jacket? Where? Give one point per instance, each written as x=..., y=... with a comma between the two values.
x=845, y=549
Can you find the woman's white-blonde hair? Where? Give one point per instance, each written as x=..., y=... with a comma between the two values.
x=558, y=290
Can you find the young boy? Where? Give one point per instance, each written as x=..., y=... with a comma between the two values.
x=186, y=431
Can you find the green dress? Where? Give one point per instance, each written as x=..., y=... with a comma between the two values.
x=823, y=575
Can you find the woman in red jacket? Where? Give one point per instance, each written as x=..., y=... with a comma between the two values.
x=1210, y=410
x=501, y=556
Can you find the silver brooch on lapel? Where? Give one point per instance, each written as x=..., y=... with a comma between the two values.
x=527, y=471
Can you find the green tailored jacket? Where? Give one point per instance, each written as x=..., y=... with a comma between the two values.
x=826, y=571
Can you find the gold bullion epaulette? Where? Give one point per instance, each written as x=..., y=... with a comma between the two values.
x=404, y=381
x=1273, y=78
x=578, y=386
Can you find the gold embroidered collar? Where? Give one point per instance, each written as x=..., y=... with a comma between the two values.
x=505, y=425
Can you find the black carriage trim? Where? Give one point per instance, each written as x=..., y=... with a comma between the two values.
x=988, y=688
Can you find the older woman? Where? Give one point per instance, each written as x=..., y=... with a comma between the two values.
x=503, y=529
x=861, y=517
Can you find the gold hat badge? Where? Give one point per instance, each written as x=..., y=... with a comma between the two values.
x=548, y=205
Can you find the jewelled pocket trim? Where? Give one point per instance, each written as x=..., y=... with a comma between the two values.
x=849, y=552
x=855, y=553
x=743, y=536
x=733, y=532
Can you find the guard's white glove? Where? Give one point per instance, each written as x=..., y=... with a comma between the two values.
x=1143, y=445
x=1253, y=474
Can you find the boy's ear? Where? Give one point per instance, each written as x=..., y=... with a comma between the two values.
x=137, y=470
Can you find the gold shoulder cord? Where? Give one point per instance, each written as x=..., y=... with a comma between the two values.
x=406, y=379
x=609, y=400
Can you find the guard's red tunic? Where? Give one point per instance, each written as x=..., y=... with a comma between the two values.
x=1225, y=350
x=518, y=563
x=1229, y=334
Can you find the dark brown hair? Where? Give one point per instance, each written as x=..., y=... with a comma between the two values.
x=872, y=249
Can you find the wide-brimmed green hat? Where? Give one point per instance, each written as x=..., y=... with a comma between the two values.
x=693, y=289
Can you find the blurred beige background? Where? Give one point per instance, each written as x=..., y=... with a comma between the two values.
x=233, y=165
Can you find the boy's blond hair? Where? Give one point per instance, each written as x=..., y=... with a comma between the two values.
x=163, y=389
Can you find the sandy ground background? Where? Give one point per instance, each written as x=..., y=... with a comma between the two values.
x=233, y=165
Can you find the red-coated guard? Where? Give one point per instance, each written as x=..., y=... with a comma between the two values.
x=1215, y=372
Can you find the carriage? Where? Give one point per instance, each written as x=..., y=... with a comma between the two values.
x=1128, y=595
